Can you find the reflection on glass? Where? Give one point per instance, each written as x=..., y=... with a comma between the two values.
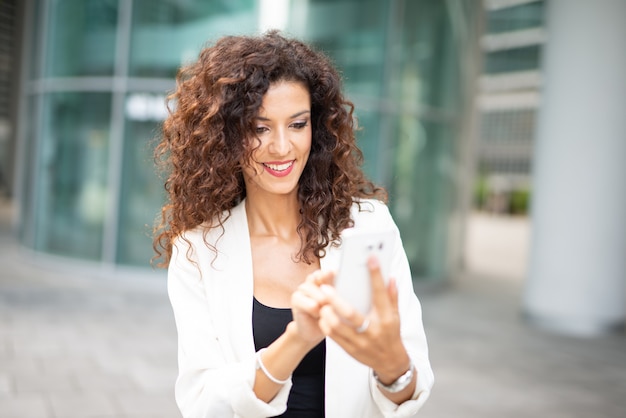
x=400, y=64
x=81, y=38
x=524, y=16
x=142, y=191
x=27, y=226
x=367, y=138
x=518, y=59
x=166, y=34
x=423, y=192
x=72, y=171
x=33, y=49
x=353, y=34
x=408, y=104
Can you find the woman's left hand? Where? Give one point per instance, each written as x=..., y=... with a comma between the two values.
x=379, y=345
x=306, y=302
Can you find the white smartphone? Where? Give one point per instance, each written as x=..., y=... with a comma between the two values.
x=353, y=282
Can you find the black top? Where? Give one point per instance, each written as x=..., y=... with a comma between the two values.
x=306, y=398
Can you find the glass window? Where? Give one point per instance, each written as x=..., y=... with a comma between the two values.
x=400, y=62
x=168, y=33
x=27, y=208
x=369, y=128
x=518, y=59
x=33, y=49
x=524, y=16
x=426, y=89
x=72, y=174
x=353, y=34
x=142, y=192
x=509, y=125
x=423, y=193
x=405, y=82
x=426, y=59
x=81, y=38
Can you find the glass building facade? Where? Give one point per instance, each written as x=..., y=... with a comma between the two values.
x=97, y=72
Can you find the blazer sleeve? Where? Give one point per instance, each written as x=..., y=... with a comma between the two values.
x=210, y=382
x=412, y=330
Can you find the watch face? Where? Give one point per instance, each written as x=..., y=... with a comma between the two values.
x=401, y=383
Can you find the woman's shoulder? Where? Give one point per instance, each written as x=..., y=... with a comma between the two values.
x=196, y=234
x=211, y=231
x=371, y=206
x=369, y=210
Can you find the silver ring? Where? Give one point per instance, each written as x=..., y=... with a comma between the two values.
x=364, y=326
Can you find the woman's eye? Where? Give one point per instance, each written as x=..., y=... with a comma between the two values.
x=299, y=125
x=261, y=129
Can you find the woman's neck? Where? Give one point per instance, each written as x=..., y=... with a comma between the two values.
x=278, y=216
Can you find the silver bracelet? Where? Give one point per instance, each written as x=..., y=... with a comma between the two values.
x=260, y=365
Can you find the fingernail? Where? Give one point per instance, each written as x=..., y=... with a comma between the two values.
x=373, y=262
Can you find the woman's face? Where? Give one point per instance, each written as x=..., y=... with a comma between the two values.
x=283, y=127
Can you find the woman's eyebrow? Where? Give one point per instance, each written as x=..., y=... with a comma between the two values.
x=295, y=115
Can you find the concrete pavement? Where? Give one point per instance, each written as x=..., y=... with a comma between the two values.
x=79, y=343
x=75, y=343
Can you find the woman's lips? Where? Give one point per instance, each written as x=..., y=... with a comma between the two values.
x=279, y=168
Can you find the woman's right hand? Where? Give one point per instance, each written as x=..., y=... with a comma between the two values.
x=306, y=303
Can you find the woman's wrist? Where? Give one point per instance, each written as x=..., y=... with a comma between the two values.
x=276, y=363
x=296, y=339
x=394, y=369
x=268, y=374
x=399, y=384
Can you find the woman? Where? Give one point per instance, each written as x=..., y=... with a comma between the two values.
x=263, y=177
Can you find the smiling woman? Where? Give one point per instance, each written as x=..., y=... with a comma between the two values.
x=284, y=142
x=263, y=177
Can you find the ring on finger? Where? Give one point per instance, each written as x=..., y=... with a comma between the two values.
x=364, y=326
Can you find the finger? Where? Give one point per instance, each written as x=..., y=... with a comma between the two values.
x=320, y=277
x=392, y=291
x=313, y=291
x=303, y=303
x=380, y=299
x=343, y=309
x=313, y=277
x=334, y=325
x=328, y=320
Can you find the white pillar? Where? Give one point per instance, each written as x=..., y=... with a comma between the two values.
x=577, y=271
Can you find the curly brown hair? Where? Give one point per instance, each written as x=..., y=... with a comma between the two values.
x=210, y=131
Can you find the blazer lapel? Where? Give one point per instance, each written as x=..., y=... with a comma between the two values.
x=232, y=289
x=241, y=286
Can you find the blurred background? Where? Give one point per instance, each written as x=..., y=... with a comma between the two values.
x=497, y=126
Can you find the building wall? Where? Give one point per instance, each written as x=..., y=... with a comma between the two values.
x=508, y=102
x=97, y=72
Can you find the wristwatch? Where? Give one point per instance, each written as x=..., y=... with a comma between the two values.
x=399, y=384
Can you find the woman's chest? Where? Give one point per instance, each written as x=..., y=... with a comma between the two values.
x=277, y=271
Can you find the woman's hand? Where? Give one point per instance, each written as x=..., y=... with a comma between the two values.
x=373, y=339
x=306, y=303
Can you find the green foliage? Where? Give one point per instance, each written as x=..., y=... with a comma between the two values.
x=519, y=202
x=481, y=191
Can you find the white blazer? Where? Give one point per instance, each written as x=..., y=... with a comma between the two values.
x=212, y=303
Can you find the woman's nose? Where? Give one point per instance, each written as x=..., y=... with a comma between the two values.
x=280, y=144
